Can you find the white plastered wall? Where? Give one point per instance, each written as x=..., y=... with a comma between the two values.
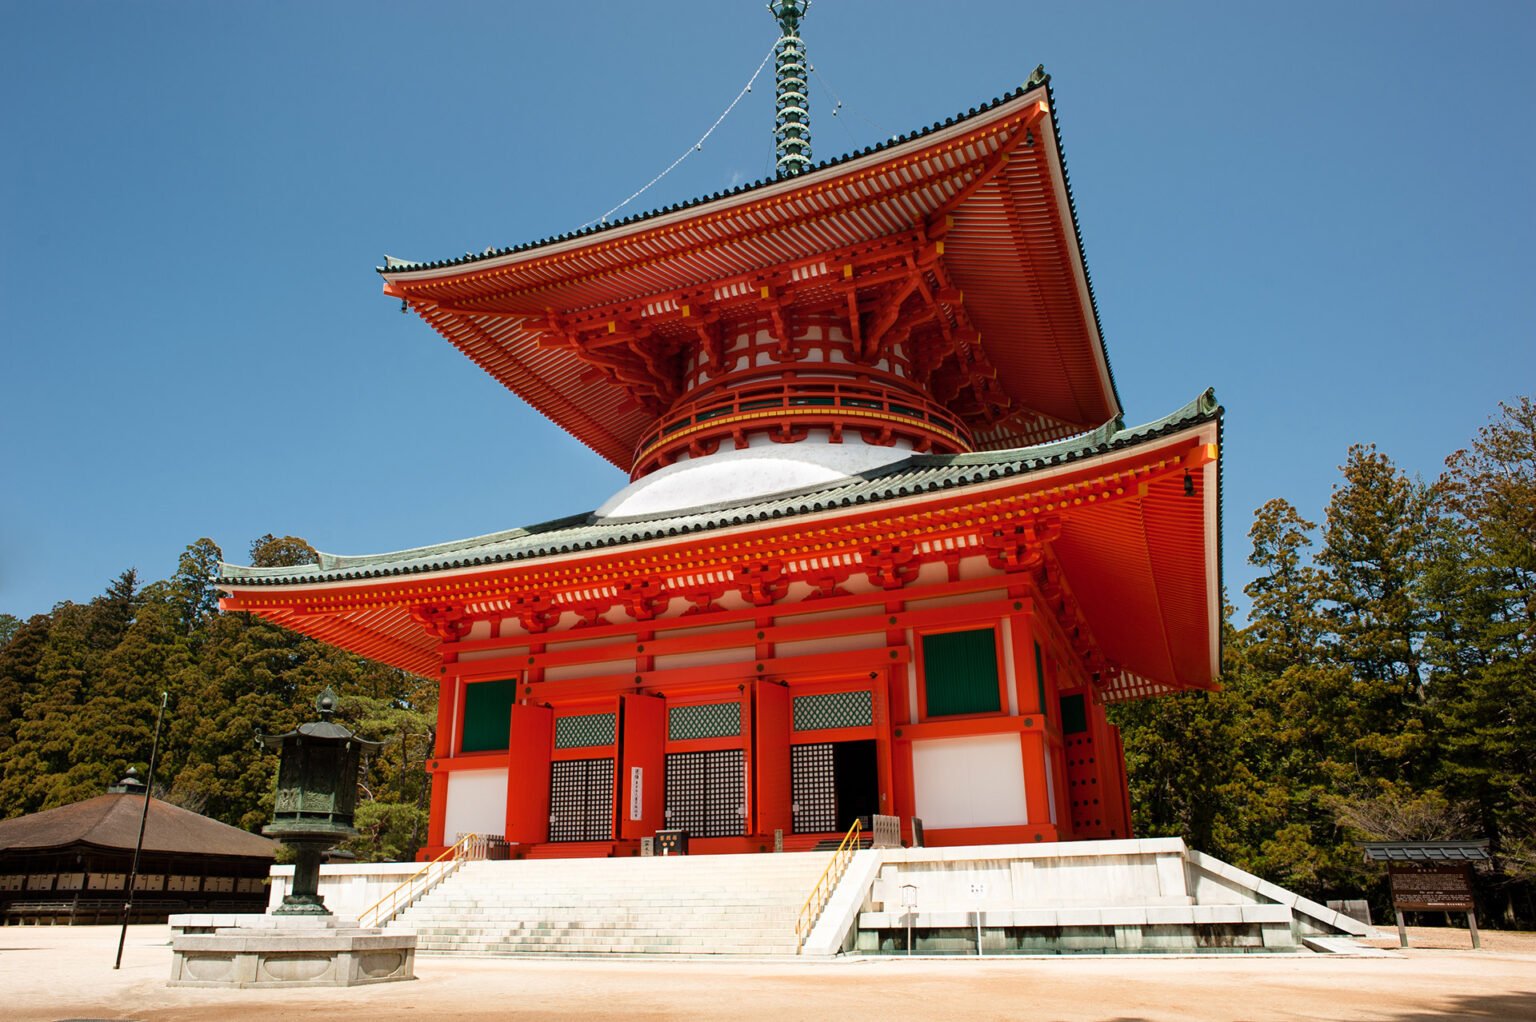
x=477, y=803
x=969, y=782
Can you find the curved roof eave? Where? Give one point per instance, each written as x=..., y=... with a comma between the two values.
x=581, y=533
x=405, y=270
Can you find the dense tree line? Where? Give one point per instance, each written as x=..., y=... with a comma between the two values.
x=1384, y=687
x=80, y=687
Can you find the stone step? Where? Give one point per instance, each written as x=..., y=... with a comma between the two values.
x=599, y=939
x=700, y=906
x=610, y=919
x=557, y=933
x=608, y=950
x=650, y=909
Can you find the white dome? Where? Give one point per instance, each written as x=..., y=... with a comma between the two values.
x=761, y=470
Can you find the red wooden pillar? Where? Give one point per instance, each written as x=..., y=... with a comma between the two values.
x=644, y=748
x=771, y=728
x=1026, y=680
x=530, y=746
x=437, y=814
x=1037, y=798
x=448, y=691
x=885, y=764
x=1117, y=793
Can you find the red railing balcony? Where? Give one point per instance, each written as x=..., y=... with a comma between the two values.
x=787, y=409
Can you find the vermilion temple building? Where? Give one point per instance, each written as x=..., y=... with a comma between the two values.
x=887, y=545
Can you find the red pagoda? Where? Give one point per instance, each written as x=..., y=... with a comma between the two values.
x=887, y=547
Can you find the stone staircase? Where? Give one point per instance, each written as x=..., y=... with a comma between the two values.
x=672, y=905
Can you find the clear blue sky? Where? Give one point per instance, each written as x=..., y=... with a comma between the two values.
x=1326, y=211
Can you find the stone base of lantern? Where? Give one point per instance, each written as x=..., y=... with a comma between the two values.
x=292, y=951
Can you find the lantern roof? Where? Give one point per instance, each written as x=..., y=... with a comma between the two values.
x=324, y=728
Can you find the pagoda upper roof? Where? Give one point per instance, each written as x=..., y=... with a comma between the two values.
x=987, y=190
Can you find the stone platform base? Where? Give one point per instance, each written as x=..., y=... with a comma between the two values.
x=1097, y=897
x=291, y=952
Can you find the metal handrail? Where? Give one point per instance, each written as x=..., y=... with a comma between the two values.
x=466, y=848
x=817, y=900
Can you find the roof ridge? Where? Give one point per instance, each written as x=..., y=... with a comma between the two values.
x=1037, y=79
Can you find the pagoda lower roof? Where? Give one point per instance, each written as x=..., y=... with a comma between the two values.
x=921, y=473
x=1152, y=556
x=985, y=192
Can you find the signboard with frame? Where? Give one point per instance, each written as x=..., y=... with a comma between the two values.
x=1430, y=886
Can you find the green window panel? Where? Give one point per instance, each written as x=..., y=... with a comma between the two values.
x=1040, y=679
x=1074, y=715
x=833, y=709
x=960, y=673
x=488, y=714
x=581, y=731
x=709, y=720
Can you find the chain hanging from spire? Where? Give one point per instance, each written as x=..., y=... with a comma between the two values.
x=792, y=115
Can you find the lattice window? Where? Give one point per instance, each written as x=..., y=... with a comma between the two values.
x=814, y=784
x=588, y=729
x=708, y=720
x=581, y=800
x=707, y=793
x=834, y=709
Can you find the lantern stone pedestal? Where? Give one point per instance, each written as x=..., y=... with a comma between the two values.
x=295, y=951
x=301, y=943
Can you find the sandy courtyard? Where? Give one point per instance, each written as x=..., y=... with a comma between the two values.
x=55, y=973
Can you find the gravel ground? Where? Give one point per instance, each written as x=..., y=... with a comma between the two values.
x=56, y=973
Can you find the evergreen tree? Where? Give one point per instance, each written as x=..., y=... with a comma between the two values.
x=79, y=691
x=1485, y=658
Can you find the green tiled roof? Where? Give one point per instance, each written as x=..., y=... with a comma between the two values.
x=921, y=473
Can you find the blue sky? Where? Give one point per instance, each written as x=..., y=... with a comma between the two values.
x=1325, y=211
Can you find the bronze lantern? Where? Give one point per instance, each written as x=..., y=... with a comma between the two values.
x=318, y=767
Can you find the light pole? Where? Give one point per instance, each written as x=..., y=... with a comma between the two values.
x=133, y=870
x=909, y=903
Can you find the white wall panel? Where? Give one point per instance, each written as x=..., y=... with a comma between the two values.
x=969, y=782
x=477, y=803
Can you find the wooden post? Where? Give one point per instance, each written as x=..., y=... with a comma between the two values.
x=1472, y=925
x=1402, y=930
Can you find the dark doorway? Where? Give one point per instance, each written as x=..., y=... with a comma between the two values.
x=857, y=777
x=834, y=784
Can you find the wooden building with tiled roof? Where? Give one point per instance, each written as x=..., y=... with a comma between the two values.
x=71, y=864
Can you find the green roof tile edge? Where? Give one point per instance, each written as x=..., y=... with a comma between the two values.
x=921, y=473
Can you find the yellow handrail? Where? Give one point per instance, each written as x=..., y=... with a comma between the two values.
x=470, y=846
x=826, y=884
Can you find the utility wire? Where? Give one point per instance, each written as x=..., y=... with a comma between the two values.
x=838, y=100
x=693, y=148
